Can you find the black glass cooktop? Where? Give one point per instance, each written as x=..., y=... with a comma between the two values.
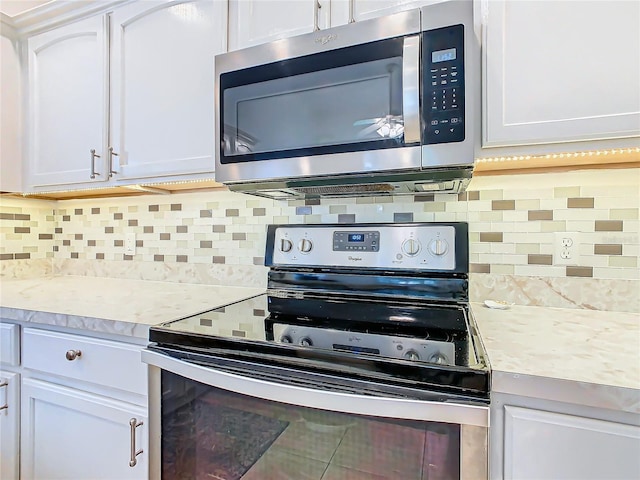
x=418, y=345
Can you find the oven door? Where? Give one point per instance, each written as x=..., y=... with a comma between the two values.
x=319, y=104
x=217, y=419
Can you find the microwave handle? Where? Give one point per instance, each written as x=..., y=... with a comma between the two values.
x=411, y=88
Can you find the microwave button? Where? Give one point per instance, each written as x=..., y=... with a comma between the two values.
x=454, y=74
x=434, y=122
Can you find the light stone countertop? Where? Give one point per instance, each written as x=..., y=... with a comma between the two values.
x=569, y=355
x=572, y=355
x=110, y=305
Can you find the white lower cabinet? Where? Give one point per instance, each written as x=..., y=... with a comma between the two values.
x=68, y=433
x=9, y=425
x=539, y=440
x=76, y=406
x=547, y=445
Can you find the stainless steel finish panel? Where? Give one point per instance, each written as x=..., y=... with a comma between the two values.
x=458, y=153
x=414, y=349
x=334, y=164
x=424, y=247
x=325, y=400
x=474, y=453
x=391, y=26
x=400, y=24
x=411, y=89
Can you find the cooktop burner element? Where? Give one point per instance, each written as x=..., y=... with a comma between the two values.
x=374, y=302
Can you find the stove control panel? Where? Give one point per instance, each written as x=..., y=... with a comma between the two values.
x=413, y=349
x=422, y=246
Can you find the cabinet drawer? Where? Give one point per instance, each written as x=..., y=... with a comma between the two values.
x=10, y=344
x=103, y=362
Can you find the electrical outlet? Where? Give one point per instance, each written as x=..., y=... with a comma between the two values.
x=130, y=244
x=567, y=248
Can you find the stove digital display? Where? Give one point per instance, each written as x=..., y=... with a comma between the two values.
x=355, y=349
x=355, y=237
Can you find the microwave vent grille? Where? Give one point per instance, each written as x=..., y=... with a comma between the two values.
x=347, y=189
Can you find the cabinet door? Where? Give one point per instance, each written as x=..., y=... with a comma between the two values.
x=68, y=104
x=252, y=22
x=543, y=445
x=342, y=10
x=561, y=71
x=10, y=99
x=162, y=86
x=9, y=425
x=67, y=433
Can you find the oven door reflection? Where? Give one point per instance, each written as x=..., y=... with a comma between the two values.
x=210, y=433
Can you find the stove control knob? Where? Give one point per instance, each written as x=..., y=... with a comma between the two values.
x=411, y=247
x=286, y=339
x=306, y=342
x=305, y=245
x=438, y=246
x=438, y=358
x=285, y=245
x=412, y=355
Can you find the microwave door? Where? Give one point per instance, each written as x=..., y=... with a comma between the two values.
x=323, y=104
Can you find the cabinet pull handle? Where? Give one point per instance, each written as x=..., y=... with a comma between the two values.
x=4, y=383
x=316, y=15
x=133, y=423
x=73, y=354
x=352, y=11
x=94, y=155
x=111, y=155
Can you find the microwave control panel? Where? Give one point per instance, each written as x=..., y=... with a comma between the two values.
x=443, y=88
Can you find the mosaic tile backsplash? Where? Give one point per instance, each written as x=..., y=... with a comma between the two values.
x=219, y=237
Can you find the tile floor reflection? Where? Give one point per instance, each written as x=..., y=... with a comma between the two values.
x=360, y=449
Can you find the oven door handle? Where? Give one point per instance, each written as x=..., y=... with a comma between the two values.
x=401, y=408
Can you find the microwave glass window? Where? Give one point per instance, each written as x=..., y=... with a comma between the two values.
x=343, y=105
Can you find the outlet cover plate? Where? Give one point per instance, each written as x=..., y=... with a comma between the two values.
x=566, y=248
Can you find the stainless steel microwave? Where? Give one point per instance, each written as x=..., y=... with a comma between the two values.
x=384, y=106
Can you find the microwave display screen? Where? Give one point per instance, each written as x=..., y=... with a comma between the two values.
x=443, y=55
x=356, y=237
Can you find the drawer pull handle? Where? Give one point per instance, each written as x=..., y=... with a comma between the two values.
x=4, y=383
x=133, y=423
x=73, y=354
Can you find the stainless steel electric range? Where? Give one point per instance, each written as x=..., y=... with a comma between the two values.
x=363, y=340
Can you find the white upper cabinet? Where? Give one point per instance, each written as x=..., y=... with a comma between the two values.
x=68, y=104
x=135, y=85
x=345, y=11
x=162, y=86
x=560, y=71
x=252, y=22
x=10, y=134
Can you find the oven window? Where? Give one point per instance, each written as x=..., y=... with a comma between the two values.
x=210, y=433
